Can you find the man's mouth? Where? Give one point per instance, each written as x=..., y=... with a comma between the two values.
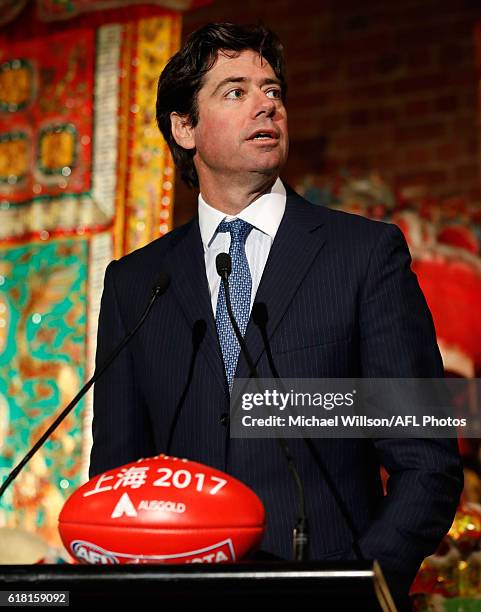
x=264, y=135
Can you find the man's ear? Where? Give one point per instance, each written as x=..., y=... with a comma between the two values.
x=182, y=130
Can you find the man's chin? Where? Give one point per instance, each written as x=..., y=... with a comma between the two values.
x=266, y=172
x=268, y=166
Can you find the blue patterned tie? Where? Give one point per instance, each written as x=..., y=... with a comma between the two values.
x=240, y=284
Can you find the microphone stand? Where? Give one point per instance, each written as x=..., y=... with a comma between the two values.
x=159, y=288
x=301, y=529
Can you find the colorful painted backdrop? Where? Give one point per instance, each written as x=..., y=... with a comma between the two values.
x=84, y=178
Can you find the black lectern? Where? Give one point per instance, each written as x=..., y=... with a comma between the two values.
x=319, y=585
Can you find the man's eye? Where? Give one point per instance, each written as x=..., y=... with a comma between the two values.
x=274, y=93
x=234, y=94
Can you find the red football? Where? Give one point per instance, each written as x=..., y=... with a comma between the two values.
x=162, y=510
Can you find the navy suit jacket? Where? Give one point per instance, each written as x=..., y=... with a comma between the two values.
x=342, y=301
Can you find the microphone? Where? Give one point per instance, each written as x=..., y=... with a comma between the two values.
x=260, y=318
x=160, y=286
x=223, y=264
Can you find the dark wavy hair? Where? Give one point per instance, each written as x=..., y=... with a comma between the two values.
x=182, y=77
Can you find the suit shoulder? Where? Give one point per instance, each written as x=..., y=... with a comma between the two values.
x=154, y=251
x=134, y=274
x=345, y=224
x=359, y=225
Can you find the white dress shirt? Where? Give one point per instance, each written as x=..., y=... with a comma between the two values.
x=264, y=214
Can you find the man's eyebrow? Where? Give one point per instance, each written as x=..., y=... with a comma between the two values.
x=234, y=79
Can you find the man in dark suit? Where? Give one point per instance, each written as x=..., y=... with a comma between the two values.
x=339, y=300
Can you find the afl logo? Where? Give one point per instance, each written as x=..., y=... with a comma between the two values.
x=86, y=552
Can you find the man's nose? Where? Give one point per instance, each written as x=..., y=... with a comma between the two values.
x=264, y=106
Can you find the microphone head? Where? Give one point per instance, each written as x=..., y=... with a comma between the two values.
x=259, y=314
x=223, y=264
x=161, y=284
x=198, y=332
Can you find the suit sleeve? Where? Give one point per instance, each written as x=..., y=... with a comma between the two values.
x=397, y=340
x=121, y=428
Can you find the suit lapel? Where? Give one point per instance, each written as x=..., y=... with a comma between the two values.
x=299, y=238
x=185, y=262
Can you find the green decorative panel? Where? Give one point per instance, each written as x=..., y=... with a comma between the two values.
x=43, y=312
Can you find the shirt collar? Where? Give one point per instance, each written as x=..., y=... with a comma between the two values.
x=265, y=214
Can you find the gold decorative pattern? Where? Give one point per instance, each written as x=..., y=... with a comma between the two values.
x=16, y=85
x=149, y=198
x=57, y=150
x=14, y=157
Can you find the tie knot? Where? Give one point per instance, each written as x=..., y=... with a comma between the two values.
x=238, y=229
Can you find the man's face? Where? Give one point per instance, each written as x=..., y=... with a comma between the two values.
x=242, y=126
